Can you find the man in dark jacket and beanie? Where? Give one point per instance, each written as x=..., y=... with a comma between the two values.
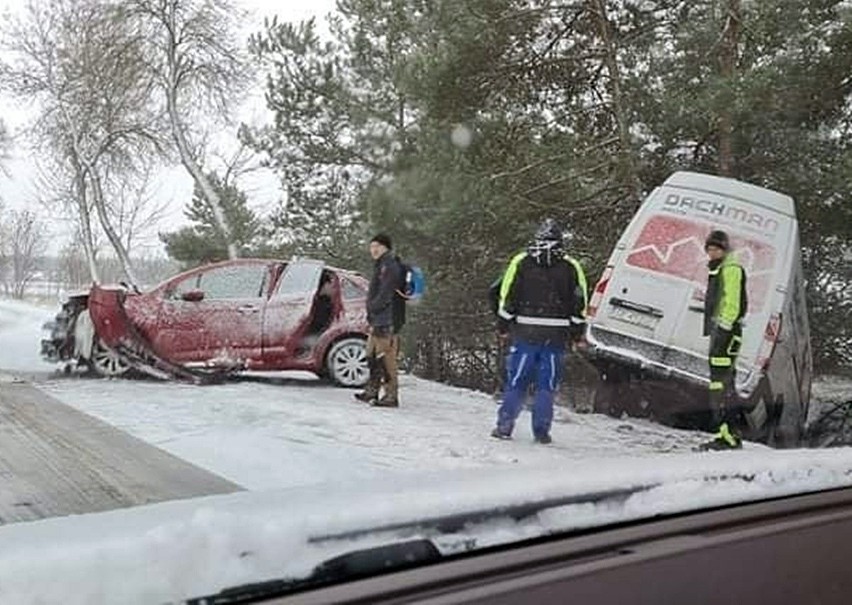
x=383, y=315
x=725, y=306
x=542, y=303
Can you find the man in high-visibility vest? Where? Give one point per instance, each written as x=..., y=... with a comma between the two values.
x=725, y=306
x=542, y=304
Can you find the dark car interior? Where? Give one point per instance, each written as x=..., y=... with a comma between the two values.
x=325, y=308
x=326, y=305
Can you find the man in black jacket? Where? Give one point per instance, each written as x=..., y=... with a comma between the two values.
x=542, y=303
x=384, y=317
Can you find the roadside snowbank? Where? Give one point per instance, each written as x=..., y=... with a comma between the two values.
x=21, y=333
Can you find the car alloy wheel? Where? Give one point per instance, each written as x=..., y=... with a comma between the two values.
x=106, y=362
x=347, y=362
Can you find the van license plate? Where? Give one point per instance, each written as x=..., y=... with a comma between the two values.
x=634, y=317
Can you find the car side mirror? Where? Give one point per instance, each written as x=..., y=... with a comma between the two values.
x=193, y=296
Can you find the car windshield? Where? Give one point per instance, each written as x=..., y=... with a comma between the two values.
x=286, y=282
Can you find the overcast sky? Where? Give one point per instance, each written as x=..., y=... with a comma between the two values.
x=172, y=187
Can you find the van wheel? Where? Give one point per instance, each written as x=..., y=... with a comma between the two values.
x=785, y=428
x=608, y=397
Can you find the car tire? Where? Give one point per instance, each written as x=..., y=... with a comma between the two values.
x=786, y=430
x=106, y=362
x=607, y=398
x=346, y=363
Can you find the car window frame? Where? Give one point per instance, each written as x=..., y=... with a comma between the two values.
x=307, y=293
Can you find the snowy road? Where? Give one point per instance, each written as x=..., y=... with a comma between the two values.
x=56, y=461
x=303, y=432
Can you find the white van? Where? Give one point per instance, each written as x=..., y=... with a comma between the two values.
x=646, y=312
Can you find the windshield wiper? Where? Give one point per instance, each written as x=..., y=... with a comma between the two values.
x=403, y=554
x=455, y=522
x=350, y=566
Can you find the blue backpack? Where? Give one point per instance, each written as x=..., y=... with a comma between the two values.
x=413, y=285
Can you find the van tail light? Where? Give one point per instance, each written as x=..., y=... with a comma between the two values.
x=771, y=334
x=598, y=293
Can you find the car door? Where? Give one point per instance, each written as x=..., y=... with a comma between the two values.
x=231, y=311
x=288, y=311
x=224, y=318
x=179, y=333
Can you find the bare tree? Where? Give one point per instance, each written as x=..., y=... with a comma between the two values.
x=73, y=264
x=242, y=162
x=135, y=209
x=5, y=146
x=63, y=186
x=25, y=241
x=200, y=71
x=84, y=62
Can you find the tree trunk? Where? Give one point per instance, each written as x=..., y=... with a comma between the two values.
x=86, y=227
x=627, y=167
x=112, y=235
x=189, y=162
x=728, y=56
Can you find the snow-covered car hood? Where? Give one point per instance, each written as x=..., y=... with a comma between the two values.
x=182, y=549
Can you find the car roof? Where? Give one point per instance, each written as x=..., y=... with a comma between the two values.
x=255, y=260
x=252, y=260
x=745, y=192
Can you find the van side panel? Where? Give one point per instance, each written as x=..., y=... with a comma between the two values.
x=790, y=369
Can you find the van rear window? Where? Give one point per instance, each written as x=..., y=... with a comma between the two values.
x=675, y=247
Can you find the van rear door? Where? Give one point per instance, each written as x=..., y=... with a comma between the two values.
x=760, y=225
x=656, y=290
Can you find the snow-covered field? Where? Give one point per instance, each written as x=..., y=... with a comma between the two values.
x=317, y=463
x=262, y=436
x=20, y=336
x=302, y=431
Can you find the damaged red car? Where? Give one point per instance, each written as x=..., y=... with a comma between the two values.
x=222, y=318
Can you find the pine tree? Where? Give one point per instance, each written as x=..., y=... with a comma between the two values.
x=203, y=241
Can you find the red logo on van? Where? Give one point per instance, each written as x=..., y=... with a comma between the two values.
x=675, y=246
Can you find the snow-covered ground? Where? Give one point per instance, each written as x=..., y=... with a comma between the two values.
x=316, y=463
x=301, y=431
x=191, y=548
x=304, y=432
x=828, y=392
x=262, y=435
x=20, y=336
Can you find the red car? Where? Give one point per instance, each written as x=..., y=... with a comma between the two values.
x=247, y=314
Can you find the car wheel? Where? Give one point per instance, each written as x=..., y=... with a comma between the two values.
x=785, y=430
x=346, y=363
x=607, y=399
x=107, y=362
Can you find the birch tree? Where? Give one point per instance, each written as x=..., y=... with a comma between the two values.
x=200, y=73
x=82, y=62
x=25, y=241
